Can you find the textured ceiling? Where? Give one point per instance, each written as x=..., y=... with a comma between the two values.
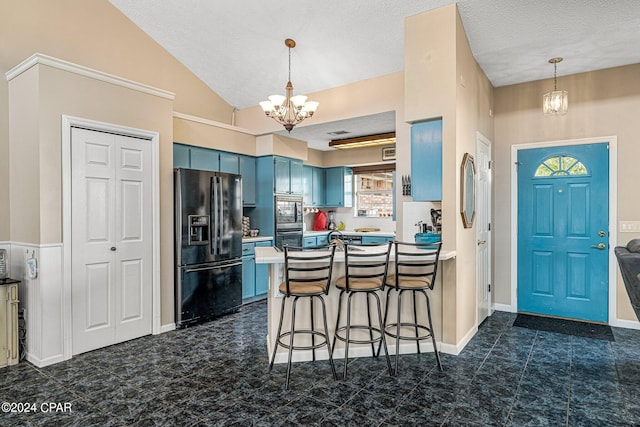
x=237, y=48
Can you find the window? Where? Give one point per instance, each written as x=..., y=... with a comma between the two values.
x=374, y=194
x=561, y=166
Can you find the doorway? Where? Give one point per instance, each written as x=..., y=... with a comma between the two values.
x=483, y=227
x=111, y=248
x=563, y=231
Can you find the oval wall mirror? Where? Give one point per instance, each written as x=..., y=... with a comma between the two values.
x=467, y=190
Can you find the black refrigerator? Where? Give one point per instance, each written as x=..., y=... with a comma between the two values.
x=208, y=244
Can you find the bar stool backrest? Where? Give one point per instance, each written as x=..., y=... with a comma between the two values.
x=308, y=265
x=416, y=261
x=366, y=261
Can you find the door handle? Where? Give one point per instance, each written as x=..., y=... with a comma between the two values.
x=481, y=242
x=600, y=246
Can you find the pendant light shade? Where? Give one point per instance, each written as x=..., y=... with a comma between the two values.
x=555, y=102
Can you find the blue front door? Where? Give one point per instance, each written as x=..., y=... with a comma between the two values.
x=563, y=239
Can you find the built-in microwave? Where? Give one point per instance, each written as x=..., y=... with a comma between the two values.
x=288, y=213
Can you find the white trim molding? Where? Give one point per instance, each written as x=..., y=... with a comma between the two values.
x=39, y=58
x=204, y=121
x=505, y=307
x=154, y=138
x=613, y=213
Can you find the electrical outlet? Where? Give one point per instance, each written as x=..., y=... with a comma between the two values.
x=629, y=226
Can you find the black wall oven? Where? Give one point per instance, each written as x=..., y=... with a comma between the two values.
x=289, y=220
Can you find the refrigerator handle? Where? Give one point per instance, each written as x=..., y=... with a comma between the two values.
x=214, y=215
x=220, y=212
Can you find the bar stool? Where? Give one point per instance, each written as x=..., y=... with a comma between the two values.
x=416, y=265
x=365, y=273
x=307, y=274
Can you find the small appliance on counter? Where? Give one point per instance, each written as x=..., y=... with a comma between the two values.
x=331, y=215
x=436, y=220
x=430, y=234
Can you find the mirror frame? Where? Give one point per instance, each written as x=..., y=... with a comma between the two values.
x=467, y=190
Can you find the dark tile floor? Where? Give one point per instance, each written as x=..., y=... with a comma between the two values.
x=216, y=374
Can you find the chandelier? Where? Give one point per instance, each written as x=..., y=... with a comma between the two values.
x=289, y=110
x=557, y=101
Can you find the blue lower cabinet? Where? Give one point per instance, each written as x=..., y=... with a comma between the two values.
x=255, y=277
x=375, y=239
x=262, y=273
x=248, y=277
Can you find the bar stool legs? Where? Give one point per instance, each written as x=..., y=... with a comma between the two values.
x=348, y=326
x=291, y=334
x=415, y=325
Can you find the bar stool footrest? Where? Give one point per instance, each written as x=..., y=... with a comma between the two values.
x=394, y=326
x=303, y=347
x=354, y=341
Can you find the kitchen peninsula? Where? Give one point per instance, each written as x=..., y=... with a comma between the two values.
x=274, y=258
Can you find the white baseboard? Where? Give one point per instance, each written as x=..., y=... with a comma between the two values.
x=359, y=351
x=41, y=363
x=167, y=328
x=504, y=307
x=628, y=324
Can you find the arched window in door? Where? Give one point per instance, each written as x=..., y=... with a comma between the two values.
x=559, y=166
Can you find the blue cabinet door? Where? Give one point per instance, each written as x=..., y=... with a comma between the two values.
x=368, y=240
x=309, y=241
x=204, y=159
x=318, y=195
x=248, y=172
x=248, y=277
x=181, y=157
x=295, y=176
x=426, y=161
x=262, y=273
x=307, y=185
x=339, y=187
x=281, y=175
x=229, y=162
x=322, y=240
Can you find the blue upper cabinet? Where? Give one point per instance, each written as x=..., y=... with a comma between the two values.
x=318, y=191
x=204, y=159
x=248, y=172
x=307, y=185
x=287, y=175
x=426, y=161
x=181, y=156
x=313, y=188
x=339, y=187
x=186, y=156
x=295, y=168
x=229, y=162
x=281, y=175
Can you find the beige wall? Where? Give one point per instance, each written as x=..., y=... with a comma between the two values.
x=443, y=80
x=601, y=103
x=24, y=185
x=94, y=34
x=473, y=102
x=210, y=135
x=37, y=141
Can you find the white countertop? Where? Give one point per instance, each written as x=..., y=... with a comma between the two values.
x=256, y=239
x=352, y=233
x=270, y=255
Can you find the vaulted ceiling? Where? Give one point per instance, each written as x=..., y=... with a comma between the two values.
x=237, y=48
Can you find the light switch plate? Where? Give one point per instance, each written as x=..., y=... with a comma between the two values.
x=629, y=227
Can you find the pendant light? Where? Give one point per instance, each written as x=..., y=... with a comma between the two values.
x=557, y=101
